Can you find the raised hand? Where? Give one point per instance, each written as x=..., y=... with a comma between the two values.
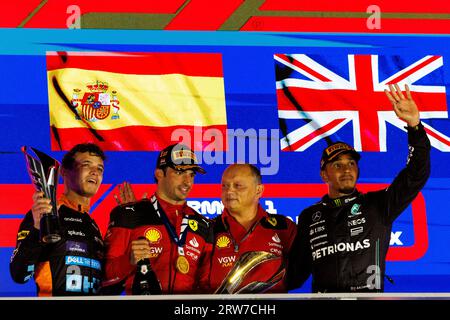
x=40, y=206
x=404, y=106
x=126, y=194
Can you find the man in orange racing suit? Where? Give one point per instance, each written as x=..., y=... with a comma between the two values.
x=73, y=265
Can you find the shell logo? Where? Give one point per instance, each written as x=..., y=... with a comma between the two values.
x=223, y=242
x=153, y=235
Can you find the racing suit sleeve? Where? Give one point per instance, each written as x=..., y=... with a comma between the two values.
x=288, y=241
x=299, y=258
x=27, y=251
x=291, y=233
x=117, y=262
x=413, y=177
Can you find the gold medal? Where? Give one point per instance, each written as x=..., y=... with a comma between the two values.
x=182, y=264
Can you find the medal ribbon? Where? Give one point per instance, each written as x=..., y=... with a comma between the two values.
x=180, y=241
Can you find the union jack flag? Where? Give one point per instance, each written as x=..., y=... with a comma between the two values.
x=316, y=97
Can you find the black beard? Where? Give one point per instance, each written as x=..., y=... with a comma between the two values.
x=347, y=191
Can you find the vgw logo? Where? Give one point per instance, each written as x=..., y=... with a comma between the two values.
x=227, y=261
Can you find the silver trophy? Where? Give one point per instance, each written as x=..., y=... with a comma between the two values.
x=243, y=267
x=44, y=173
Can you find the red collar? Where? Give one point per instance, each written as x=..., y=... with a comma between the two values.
x=235, y=228
x=174, y=212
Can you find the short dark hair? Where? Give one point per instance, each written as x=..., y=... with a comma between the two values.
x=68, y=159
x=164, y=169
x=255, y=173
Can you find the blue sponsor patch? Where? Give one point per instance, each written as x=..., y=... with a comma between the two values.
x=30, y=270
x=82, y=261
x=27, y=277
x=75, y=246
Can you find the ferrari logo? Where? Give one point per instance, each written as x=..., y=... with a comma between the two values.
x=193, y=225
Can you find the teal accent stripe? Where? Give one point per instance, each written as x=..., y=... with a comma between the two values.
x=38, y=41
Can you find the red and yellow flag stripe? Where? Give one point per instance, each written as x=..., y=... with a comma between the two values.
x=149, y=96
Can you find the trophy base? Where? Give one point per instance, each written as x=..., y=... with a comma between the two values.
x=51, y=238
x=50, y=231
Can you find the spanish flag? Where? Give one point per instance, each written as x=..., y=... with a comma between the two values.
x=136, y=101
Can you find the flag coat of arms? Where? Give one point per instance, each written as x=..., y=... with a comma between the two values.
x=135, y=101
x=318, y=95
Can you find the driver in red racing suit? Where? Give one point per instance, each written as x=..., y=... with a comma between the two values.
x=180, y=258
